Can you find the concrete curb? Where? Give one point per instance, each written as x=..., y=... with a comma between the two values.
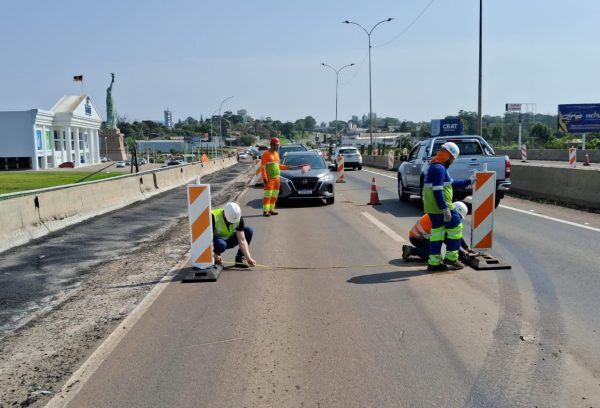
x=33, y=214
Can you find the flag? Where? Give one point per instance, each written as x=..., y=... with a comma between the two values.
x=78, y=78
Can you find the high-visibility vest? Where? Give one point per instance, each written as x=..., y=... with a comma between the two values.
x=220, y=228
x=270, y=164
x=429, y=203
x=422, y=228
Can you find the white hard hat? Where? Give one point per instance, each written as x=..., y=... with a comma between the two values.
x=233, y=212
x=461, y=208
x=452, y=148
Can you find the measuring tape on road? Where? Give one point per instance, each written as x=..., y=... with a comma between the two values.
x=318, y=267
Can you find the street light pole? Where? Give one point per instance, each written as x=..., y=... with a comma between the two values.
x=220, y=127
x=337, y=77
x=479, y=117
x=369, y=32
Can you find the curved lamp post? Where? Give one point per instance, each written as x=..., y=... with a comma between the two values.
x=369, y=32
x=337, y=77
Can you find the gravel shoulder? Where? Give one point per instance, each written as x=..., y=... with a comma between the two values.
x=41, y=353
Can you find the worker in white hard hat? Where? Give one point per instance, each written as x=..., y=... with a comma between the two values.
x=446, y=222
x=229, y=231
x=420, y=233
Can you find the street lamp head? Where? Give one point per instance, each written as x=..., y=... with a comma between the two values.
x=322, y=63
x=352, y=64
x=390, y=19
x=346, y=22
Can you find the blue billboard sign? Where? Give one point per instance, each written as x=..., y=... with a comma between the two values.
x=579, y=118
x=446, y=127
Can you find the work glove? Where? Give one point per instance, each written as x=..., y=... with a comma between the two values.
x=472, y=181
x=447, y=215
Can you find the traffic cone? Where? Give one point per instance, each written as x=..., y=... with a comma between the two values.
x=586, y=159
x=374, y=195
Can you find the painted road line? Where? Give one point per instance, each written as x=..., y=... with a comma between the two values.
x=546, y=217
x=381, y=174
x=383, y=227
x=74, y=384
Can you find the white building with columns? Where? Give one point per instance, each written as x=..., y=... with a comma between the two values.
x=38, y=139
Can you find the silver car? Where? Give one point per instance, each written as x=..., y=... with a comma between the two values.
x=309, y=177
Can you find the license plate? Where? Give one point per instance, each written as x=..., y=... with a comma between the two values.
x=304, y=191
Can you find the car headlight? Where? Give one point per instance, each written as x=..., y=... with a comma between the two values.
x=283, y=179
x=326, y=177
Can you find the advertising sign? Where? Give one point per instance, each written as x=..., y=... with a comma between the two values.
x=48, y=140
x=579, y=118
x=38, y=138
x=513, y=107
x=446, y=127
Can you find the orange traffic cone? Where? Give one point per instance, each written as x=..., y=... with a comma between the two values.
x=586, y=159
x=374, y=195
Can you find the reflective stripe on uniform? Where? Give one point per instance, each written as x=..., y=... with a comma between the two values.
x=434, y=259
x=437, y=234
x=456, y=232
x=452, y=255
x=435, y=188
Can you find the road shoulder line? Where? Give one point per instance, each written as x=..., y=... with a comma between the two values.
x=383, y=227
x=547, y=217
x=380, y=174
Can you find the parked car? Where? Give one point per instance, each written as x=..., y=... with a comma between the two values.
x=352, y=157
x=317, y=182
x=475, y=154
x=242, y=156
x=66, y=165
x=103, y=159
x=175, y=162
x=121, y=163
x=286, y=148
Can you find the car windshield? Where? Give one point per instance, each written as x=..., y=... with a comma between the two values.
x=346, y=151
x=315, y=161
x=466, y=147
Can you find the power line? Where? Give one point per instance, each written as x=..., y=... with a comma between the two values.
x=356, y=71
x=408, y=27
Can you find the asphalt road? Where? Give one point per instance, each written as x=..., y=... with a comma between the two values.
x=375, y=333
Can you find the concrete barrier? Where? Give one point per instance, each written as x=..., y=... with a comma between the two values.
x=580, y=186
x=32, y=214
x=550, y=154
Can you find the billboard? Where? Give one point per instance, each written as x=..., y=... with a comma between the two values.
x=513, y=107
x=579, y=118
x=446, y=127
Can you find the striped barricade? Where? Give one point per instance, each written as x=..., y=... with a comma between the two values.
x=340, y=169
x=391, y=160
x=572, y=157
x=523, y=153
x=484, y=198
x=201, y=236
x=257, y=173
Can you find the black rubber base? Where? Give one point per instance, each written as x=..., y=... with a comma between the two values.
x=203, y=275
x=483, y=261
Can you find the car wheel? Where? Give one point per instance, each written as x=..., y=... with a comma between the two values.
x=402, y=195
x=360, y=166
x=497, y=202
x=330, y=200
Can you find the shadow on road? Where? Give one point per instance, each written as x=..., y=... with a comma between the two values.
x=397, y=209
x=387, y=277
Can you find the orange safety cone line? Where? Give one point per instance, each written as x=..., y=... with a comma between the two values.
x=374, y=194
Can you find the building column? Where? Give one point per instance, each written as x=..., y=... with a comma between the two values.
x=44, y=149
x=97, y=144
x=77, y=151
x=52, y=147
x=68, y=140
x=92, y=145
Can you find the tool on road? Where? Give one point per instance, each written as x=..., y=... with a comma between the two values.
x=586, y=159
x=482, y=223
x=340, y=169
x=374, y=200
x=203, y=267
x=523, y=153
x=573, y=157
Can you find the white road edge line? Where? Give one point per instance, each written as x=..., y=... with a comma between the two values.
x=381, y=174
x=550, y=218
x=80, y=377
x=383, y=227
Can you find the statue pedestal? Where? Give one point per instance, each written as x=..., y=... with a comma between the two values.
x=111, y=145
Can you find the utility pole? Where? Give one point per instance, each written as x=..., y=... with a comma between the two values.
x=479, y=116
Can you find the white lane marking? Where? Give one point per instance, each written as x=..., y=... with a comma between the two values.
x=381, y=174
x=74, y=384
x=550, y=218
x=383, y=227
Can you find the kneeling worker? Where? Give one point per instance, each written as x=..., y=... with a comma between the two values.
x=229, y=231
x=420, y=233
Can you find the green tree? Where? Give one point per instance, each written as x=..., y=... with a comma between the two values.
x=310, y=123
x=540, y=132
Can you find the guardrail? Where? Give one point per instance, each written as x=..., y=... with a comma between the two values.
x=550, y=154
x=32, y=214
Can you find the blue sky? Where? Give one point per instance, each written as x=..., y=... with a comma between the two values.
x=189, y=55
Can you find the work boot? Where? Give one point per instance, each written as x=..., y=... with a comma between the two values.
x=240, y=261
x=266, y=214
x=273, y=212
x=454, y=264
x=437, y=268
x=406, y=252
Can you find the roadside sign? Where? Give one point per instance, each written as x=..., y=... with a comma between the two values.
x=446, y=127
x=513, y=107
x=579, y=118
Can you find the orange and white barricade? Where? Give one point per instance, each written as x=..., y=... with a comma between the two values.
x=523, y=153
x=391, y=160
x=340, y=169
x=257, y=173
x=572, y=157
x=484, y=198
x=201, y=236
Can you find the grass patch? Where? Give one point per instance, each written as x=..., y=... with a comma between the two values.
x=11, y=182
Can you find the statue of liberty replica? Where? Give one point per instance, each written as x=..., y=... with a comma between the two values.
x=112, y=138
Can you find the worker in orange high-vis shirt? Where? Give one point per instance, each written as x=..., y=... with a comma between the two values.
x=270, y=168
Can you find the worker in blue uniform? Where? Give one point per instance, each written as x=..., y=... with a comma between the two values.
x=446, y=222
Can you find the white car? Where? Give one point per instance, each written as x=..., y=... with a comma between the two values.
x=121, y=163
x=352, y=157
x=243, y=156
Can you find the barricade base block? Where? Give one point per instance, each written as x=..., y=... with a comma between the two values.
x=194, y=274
x=482, y=261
